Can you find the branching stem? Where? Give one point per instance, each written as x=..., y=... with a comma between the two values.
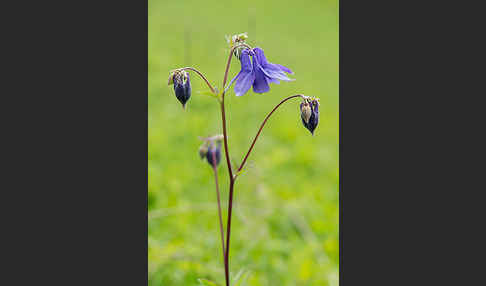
x=228, y=163
x=261, y=128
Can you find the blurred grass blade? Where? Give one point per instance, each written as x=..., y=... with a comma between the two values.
x=240, y=278
x=206, y=282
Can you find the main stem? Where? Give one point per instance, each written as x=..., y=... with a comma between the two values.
x=228, y=163
x=231, y=181
x=228, y=232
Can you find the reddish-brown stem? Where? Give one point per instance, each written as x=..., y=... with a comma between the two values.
x=230, y=204
x=261, y=128
x=225, y=139
x=201, y=75
x=228, y=163
x=228, y=231
x=221, y=229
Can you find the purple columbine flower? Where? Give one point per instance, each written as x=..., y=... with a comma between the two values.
x=258, y=73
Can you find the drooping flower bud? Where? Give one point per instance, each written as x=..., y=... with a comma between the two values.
x=213, y=154
x=306, y=111
x=211, y=149
x=182, y=86
x=309, y=112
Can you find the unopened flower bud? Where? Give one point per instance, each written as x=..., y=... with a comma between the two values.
x=182, y=86
x=309, y=112
x=305, y=111
x=237, y=40
x=213, y=154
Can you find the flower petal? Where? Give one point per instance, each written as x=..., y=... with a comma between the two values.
x=285, y=69
x=260, y=85
x=244, y=82
x=260, y=55
x=246, y=64
x=231, y=81
x=273, y=71
x=272, y=80
x=244, y=79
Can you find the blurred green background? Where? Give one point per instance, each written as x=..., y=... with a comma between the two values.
x=286, y=215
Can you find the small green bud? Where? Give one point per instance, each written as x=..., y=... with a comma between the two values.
x=237, y=40
x=203, y=150
x=171, y=78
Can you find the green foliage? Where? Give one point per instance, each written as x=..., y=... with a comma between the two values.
x=205, y=282
x=240, y=278
x=286, y=216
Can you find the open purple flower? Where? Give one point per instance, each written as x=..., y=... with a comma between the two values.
x=258, y=73
x=246, y=76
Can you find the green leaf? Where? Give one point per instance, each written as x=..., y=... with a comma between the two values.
x=207, y=282
x=210, y=93
x=240, y=172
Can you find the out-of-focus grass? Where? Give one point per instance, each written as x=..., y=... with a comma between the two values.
x=285, y=224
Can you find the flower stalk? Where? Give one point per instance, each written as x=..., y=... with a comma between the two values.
x=261, y=128
x=221, y=229
x=213, y=90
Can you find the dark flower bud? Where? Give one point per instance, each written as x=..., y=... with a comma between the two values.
x=213, y=154
x=309, y=112
x=182, y=86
